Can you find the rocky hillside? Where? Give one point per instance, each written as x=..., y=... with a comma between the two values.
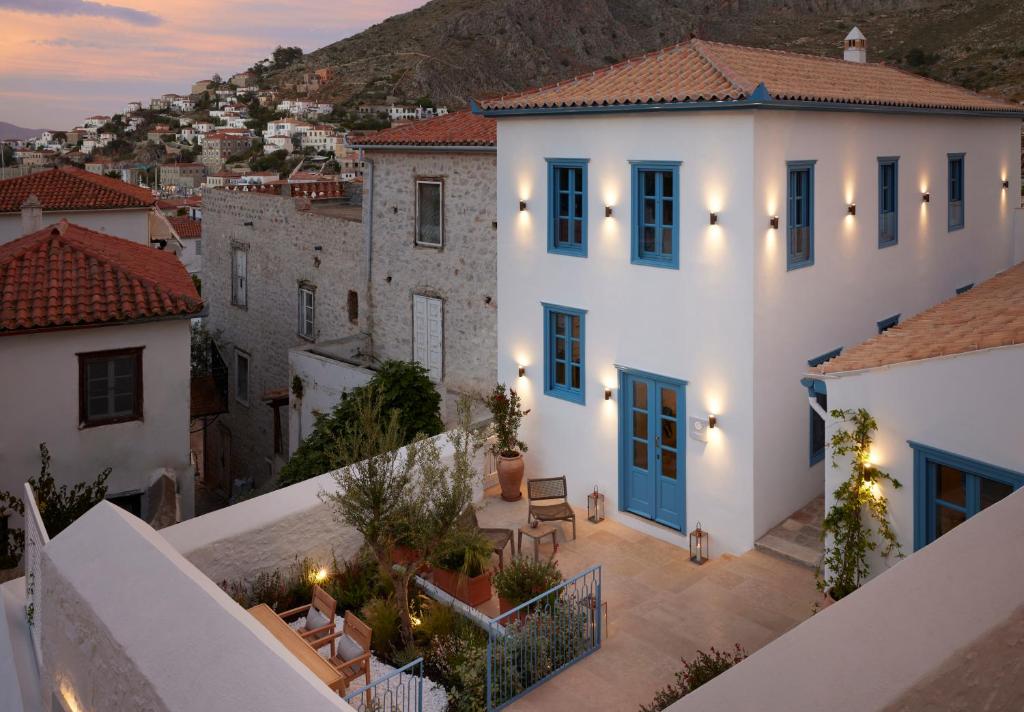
x=450, y=50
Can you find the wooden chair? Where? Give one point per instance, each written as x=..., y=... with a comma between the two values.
x=358, y=664
x=548, y=488
x=324, y=604
x=499, y=538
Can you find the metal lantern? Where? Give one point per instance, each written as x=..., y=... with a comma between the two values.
x=699, y=545
x=595, y=506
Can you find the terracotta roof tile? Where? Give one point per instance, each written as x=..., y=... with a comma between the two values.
x=186, y=227
x=989, y=315
x=461, y=128
x=66, y=275
x=702, y=71
x=71, y=188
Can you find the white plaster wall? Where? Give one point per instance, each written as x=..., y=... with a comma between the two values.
x=1018, y=234
x=853, y=284
x=189, y=256
x=694, y=323
x=969, y=405
x=41, y=391
x=130, y=224
x=324, y=380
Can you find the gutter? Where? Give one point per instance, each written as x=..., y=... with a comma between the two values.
x=425, y=148
x=121, y=322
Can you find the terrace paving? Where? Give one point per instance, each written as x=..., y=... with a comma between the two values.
x=661, y=608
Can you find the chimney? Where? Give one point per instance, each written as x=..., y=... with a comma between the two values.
x=31, y=215
x=855, y=47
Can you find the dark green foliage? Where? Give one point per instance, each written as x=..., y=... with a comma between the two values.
x=465, y=551
x=198, y=284
x=524, y=578
x=382, y=615
x=917, y=57
x=704, y=668
x=283, y=56
x=507, y=413
x=400, y=386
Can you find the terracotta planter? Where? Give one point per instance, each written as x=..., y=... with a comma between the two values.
x=403, y=555
x=504, y=606
x=510, y=476
x=471, y=591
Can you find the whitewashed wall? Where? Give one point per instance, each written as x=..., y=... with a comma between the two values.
x=853, y=284
x=130, y=224
x=969, y=405
x=324, y=380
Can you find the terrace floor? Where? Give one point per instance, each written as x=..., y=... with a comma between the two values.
x=661, y=608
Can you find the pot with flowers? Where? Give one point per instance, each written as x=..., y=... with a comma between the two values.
x=522, y=579
x=507, y=414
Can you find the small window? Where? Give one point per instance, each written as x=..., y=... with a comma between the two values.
x=956, y=191
x=567, y=206
x=429, y=213
x=888, y=201
x=307, y=312
x=800, y=215
x=239, y=275
x=564, y=340
x=110, y=387
x=817, y=453
x=242, y=377
x=886, y=324
x=353, y=306
x=199, y=247
x=128, y=501
x=655, y=189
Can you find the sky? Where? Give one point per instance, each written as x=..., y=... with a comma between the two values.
x=64, y=60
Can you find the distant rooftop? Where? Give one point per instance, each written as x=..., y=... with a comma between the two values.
x=462, y=128
x=70, y=188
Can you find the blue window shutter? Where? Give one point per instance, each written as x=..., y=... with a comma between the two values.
x=567, y=177
x=565, y=353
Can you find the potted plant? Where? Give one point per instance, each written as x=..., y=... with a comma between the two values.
x=523, y=579
x=462, y=567
x=507, y=414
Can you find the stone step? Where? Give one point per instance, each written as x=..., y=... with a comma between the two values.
x=789, y=550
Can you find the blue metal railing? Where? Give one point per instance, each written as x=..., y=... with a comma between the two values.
x=538, y=639
x=400, y=690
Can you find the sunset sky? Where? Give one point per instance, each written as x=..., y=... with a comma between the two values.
x=63, y=60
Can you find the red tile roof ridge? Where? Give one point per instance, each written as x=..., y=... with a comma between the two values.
x=700, y=46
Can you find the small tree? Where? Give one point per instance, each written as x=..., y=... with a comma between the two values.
x=845, y=563
x=507, y=412
x=409, y=498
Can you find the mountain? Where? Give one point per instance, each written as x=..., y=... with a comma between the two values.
x=451, y=50
x=9, y=132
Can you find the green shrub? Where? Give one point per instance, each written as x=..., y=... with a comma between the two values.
x=523, y=578
x=399, y=385
x=381, y=614
x=704, y=668
x=356, y=582
x=466, y=551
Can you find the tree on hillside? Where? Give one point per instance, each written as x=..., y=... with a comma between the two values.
x=284, y=56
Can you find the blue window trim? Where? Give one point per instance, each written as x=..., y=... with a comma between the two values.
x=893, y=161
x=966, y=288
x=792, y=166
x=923, y=454
x=635, y=168
x=554, y=163
x=888, y=323
x=818, y=360
x=950, y=158
x=573, y=395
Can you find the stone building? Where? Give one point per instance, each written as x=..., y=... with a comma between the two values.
x=182, y=175
x=265, y=255
x=218, y=146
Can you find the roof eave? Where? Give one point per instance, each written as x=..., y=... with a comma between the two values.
x=113, y=322
x=440, y=148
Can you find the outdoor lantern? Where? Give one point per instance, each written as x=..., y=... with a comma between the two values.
x=595, y=506
x=698, y=545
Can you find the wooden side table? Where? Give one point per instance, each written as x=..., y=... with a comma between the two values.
x=537, y=533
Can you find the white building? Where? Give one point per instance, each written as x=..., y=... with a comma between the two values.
x=96, y=121
x=132, y=106
x=102, y=366
x=662, y=227
x=189, y=232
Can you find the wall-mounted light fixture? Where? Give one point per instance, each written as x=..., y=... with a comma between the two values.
x=926, y=197
x=522, y=370
x=522, y=205
x=851, y=209
x=1006, y=184
x=712, y=420
x=607, y=393
x=773, y=222
x=608, y=211
x=713, y=220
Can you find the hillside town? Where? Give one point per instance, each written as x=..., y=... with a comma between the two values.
x=690, y=382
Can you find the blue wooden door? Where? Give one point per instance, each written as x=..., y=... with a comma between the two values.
x=653, y=482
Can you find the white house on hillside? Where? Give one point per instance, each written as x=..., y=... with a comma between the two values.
x=681, y=234
x=98, y=368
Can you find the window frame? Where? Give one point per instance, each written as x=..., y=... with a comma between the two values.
x=240, y=354
x=883, y=163
x=564, y=392
x=242, y=287
x=637, y=168
x=439, y=182
x=791, y=168
x=83, y=407
x=951, y=159
x=306, y=289
x=815, y=388
x=554, y=164
x=888, y=323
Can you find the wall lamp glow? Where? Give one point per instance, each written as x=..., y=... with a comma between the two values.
x=713, y=219
x=522, y=371
x=851, y=209
x=607, y=393
x=608, y=211
x=712, y=420
x=773, y=221
x=926, y=197
x=522, y=205
x=1006, y=184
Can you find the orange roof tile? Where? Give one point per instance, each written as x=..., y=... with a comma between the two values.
x=71, y=188
x=461, y=128
x=186, y=227
x=989, y=315
x=66, y=275
x=702, y=71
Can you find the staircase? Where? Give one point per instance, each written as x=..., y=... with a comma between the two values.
x=798, y=539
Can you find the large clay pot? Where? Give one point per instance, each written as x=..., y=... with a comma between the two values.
x=510, y=476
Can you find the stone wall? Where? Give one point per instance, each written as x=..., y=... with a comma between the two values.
x=463, y=272
x=286, y=245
